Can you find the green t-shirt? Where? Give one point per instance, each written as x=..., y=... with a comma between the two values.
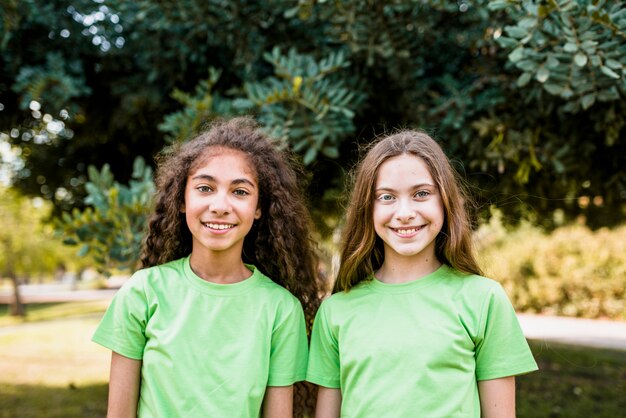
x=208, y=350
x=416, y=349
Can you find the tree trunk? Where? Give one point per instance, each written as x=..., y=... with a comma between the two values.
x=17, y=307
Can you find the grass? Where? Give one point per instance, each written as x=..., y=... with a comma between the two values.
x=47, y=311
x=573, y=382
x=36, y=401
x=50, y=368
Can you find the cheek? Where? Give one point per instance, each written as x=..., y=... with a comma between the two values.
x=191, y=208
x=378, y=215
x=439, y=215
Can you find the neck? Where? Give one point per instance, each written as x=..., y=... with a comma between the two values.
x=399, y=269
x=219, y=268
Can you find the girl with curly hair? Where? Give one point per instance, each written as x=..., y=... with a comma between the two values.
x=413, y=329
x=213, y=325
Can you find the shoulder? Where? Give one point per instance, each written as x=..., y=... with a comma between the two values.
x=348, y=300
x=469, y=283
x=269, y=289
x=469, y=292
x=156, y=276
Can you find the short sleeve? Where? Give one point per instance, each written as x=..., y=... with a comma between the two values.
x=324, y=368
x=501, y=349
x=289, y=350
x=122, y=328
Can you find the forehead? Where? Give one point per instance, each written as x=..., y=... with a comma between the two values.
x=403, y=169
x=224, y=161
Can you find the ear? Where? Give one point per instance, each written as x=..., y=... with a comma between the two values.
x=182, y=208
x=257, y=213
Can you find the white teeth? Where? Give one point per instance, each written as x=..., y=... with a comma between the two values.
x=219, y=226
x=406, y=231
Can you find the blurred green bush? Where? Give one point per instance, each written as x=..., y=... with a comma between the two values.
x=573, y=271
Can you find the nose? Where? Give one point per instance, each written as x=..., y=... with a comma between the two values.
x=220, y=203
x=406, y=211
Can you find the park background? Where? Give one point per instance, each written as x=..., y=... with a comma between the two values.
x=527, y=97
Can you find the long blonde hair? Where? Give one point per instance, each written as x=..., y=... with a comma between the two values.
x=362, y=251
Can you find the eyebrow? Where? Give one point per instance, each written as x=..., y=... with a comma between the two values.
x=234, y=181
x=417, y=186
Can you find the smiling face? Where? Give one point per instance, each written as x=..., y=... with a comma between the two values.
x=408, y=212
x=221, y=202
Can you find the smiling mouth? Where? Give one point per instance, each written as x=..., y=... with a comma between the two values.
x=407, y=231
x=218, y=226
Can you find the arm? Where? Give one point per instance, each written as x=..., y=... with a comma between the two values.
x=278, y=402
x=123, y=386
x=328, y=403
x=497, y=397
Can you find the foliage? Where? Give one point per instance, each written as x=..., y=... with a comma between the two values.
x=27, y=246
x=570, y=49
x=530, y=95
x=569, y=57
x=307, y=104
x=572, y=272
x=111, y=229
x=50, y=83
x=199, y=109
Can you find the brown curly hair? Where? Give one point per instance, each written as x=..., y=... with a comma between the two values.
x=280, y=244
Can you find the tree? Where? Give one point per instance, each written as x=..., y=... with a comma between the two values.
x=529, y=95
x=27, y=246
x=111, y=229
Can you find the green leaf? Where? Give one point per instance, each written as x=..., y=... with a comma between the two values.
x=558, y=166
x=291, y=13
x=607, y=71
x=523, y=79
x=299, y=146
x=567, y=93
x=570, y=47
x=589, y=45
x=608, y=95
x=613, y=64
x=580, y=59
x=515, y=31
x=330, y=152
x=139, y=166
x=309, y=156
x=555, y=89
x=588, y=100
x=527, y=23
x=543, y=74
x=83, y=250
x=595, y=61
x=552, y=62
x=527, y=65
x=497, y=5
x=517, y=54
x=506, y=42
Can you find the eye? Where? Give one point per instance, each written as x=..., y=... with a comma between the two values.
x=204, y=188
x=422, y=194
x=240, y=192
x=386, y=197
